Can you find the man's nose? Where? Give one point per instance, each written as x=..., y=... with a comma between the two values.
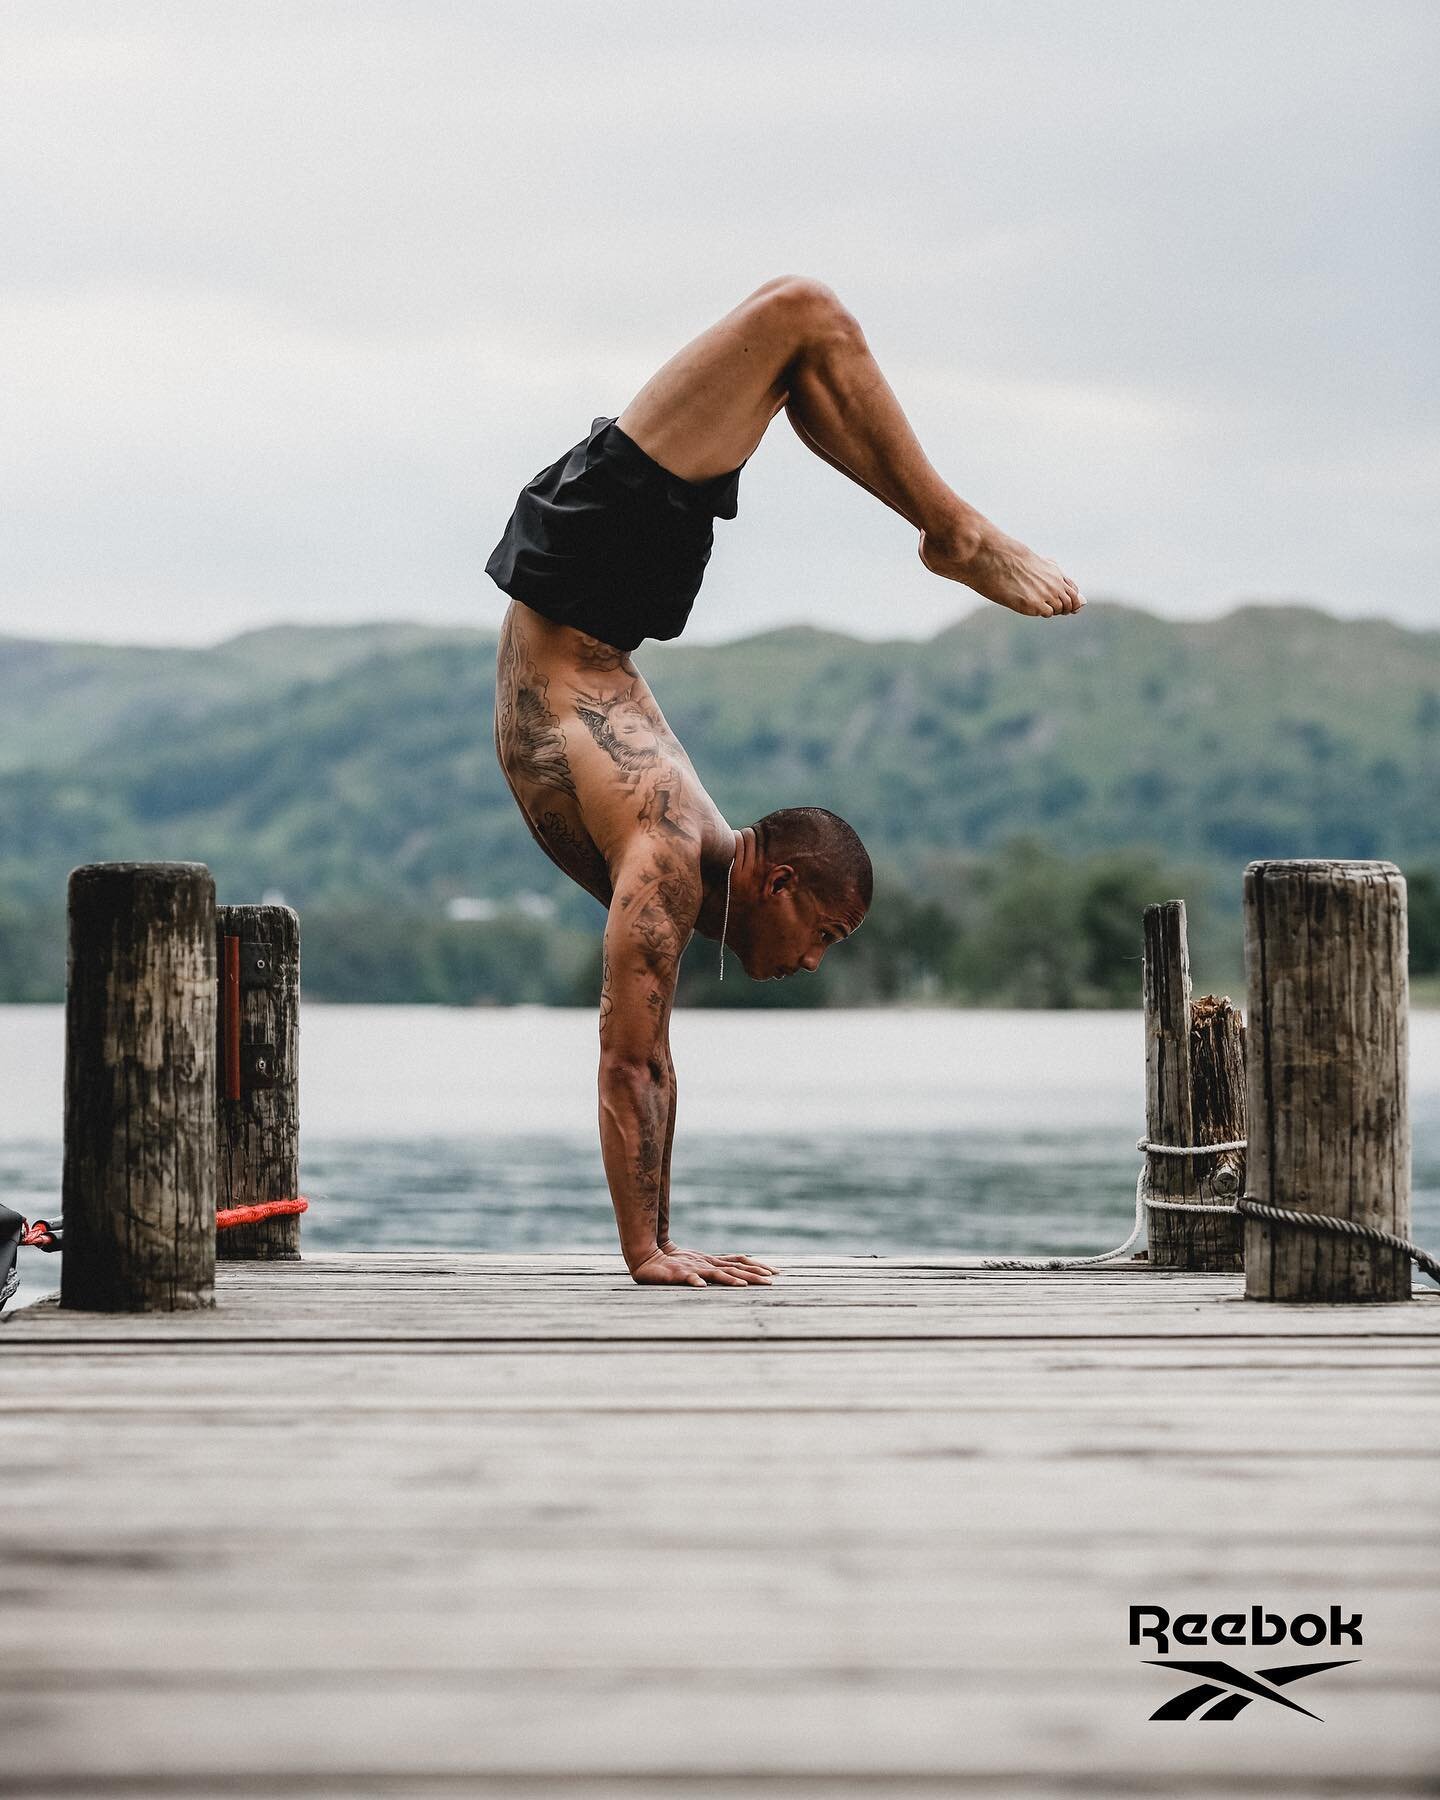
x=812, y=961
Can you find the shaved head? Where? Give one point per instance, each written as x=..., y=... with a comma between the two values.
x=824, y=851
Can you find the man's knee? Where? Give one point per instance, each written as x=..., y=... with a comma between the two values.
x=804, y=310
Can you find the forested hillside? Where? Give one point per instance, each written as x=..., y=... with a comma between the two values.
x=352, y=770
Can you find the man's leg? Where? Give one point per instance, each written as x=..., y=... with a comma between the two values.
x=793, y=345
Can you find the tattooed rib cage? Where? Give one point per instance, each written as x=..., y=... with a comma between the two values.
x=576, y=855
x=530, y=735
x=539, y=741
x=646, y=768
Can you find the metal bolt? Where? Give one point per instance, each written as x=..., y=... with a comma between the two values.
x=259, y=962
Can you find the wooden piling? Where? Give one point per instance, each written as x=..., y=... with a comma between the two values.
x=1219, y=1104
x=139, y=1162
x=1194, y=1094
x=1325, y=956
x=258, y=1118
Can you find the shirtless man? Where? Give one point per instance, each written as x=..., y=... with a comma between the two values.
x=607, y=547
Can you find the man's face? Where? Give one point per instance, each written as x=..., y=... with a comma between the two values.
x=789, y=928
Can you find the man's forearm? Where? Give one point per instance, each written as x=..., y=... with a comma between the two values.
x=662, y=1223
x=634, y=1123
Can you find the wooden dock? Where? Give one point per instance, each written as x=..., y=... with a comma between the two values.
x=449, y=1525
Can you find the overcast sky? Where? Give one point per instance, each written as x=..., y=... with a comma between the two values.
x=294, y=296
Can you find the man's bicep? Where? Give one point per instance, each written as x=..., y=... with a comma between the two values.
x=651, y=917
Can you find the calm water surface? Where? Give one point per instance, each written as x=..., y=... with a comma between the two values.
x=881, y=1132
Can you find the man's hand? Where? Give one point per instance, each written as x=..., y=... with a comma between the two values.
x=692, y=1268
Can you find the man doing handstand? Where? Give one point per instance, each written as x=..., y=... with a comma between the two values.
x=607, y=547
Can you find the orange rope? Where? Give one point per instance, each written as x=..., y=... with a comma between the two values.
x=252, y=1215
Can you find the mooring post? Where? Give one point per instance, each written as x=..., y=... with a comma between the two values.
x=1194, y=1094
x=138, y=1187
x=1219, y=1104
x=258, y=1140
x=1325, y=956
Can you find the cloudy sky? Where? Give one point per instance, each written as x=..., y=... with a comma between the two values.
x=294, y=296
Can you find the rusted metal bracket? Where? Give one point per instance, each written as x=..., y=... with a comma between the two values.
x=259, y=965
x=257, y=1066
x=244, y=1067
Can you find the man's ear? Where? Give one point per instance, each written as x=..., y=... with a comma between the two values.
x=782, y=876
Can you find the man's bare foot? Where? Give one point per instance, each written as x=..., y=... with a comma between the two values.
x=1003, y=570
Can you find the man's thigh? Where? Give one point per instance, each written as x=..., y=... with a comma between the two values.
x=703, y=413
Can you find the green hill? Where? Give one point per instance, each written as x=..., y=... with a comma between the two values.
x=358, y=764
x=354, y=767
x=59, y=700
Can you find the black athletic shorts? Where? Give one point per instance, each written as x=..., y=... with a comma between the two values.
x=610, y=542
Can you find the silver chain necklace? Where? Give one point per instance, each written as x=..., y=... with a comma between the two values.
x=726, y=925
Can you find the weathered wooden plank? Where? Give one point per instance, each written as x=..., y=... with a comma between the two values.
x=885, y=1726
x=683, y=1784
x=345, y=1299
x=907, y=1621
x=699, y=1784
x=879, y=1560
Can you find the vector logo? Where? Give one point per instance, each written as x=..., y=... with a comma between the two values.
x=1224, y=1690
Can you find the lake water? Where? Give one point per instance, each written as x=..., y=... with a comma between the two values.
x=885, y=1132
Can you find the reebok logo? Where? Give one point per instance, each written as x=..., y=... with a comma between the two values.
x=1224, y=1690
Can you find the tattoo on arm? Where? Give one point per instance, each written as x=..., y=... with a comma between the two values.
x=671, y=895
x=647, y=1164
x=662, y=811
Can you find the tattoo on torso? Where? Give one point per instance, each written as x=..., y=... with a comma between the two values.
x=629, y=728
x=593, y=653
x=573, y=851
x=531, y=743
x=662, y=891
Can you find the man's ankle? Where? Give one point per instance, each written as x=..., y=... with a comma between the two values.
x=960, y=536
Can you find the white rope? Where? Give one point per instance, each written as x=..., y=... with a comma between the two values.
x=1247, y=1206
x=1190, y=1149
x=1077, y=1262
x=1220, y=1206
x=1142, y=1200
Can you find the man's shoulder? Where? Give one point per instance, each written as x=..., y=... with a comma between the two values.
x=657, y=897
x=667, y=869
